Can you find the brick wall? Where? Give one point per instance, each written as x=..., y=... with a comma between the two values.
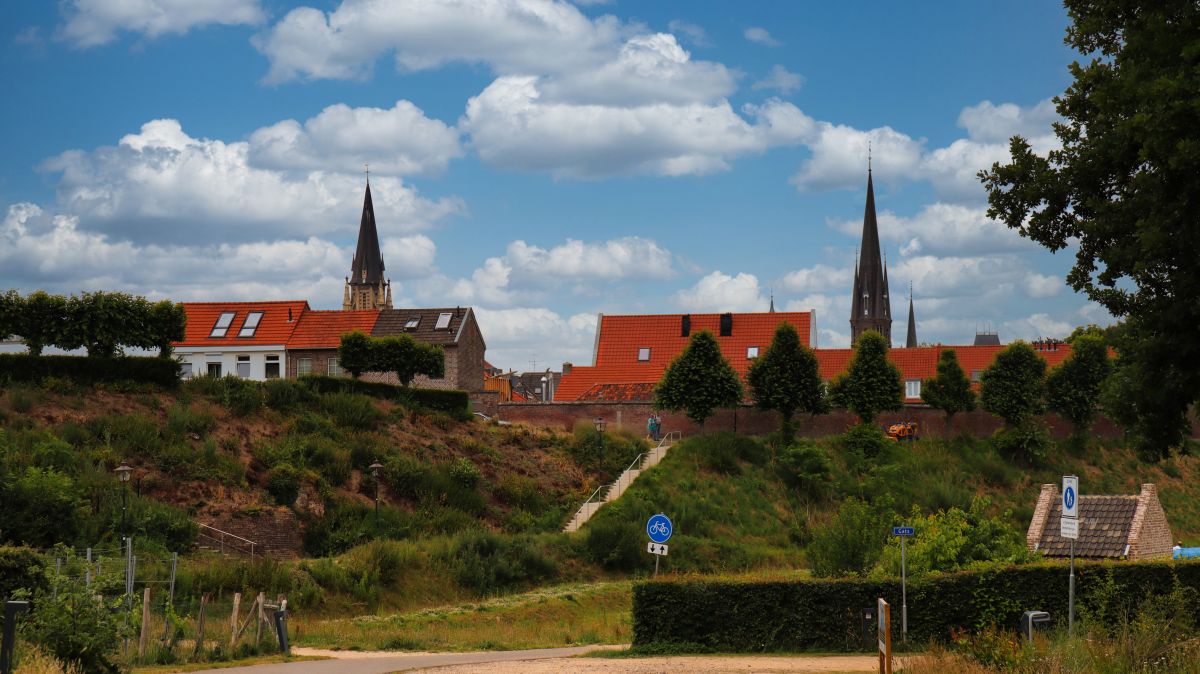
x=750, y=420
x=1150, y=535
x=469, y=362
x=487, y=402
x=276, y=532
x=1046, y=499
x=320, y=361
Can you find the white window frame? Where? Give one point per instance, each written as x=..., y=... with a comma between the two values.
x=751, y=352
x=249, y=328
x=221, y=327
x=912, y=388
x=643, y=351
x=243, y=372
x=443, y=321
x=412, y=323
x=185, y=370
x=976, y=375
x=208, y=369
x=303, y=366
x=333, y=368
x=271, y=361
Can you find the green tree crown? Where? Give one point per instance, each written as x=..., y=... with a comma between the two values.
x=1013, y=385
x=786, y=378
x=699, y=381
x=872, y=383
x=950, y=391
x=1073, y=388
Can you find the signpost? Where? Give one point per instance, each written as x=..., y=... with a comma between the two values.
x=884, y=611
x=903, y=533
x=1068, y=527
x=659, y=529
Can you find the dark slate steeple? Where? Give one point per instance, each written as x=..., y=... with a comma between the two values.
x=368, y=260
x=911, y=342
x=870, y=307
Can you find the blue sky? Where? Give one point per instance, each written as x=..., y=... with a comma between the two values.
x=541, y=161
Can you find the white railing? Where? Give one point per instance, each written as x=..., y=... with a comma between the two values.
x=225, y=542
x=626, y=477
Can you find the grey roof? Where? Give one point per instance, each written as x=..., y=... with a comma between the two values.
x=987, y=339
x=368, y=259
x=870, y=300
x=393, y=322
x=1104, y=524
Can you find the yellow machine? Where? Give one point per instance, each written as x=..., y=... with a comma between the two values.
x=905, y=430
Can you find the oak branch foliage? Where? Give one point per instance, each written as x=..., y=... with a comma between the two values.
x=786, y=378
x=872, y=383
x=950, y=391
x=700, y=381
x=1123, y=189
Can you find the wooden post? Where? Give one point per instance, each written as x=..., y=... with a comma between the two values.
x=145, y=622
x=885, y=636
x=262, y=618
x=200, y=626
x=233, y=620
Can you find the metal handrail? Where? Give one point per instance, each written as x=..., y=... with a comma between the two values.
x=637, y=461
x=222, y=535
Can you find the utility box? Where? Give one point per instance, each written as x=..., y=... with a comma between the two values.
x=869, y=627
x=1029, y=619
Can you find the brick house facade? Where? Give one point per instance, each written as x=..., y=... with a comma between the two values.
x=454, y=329
x=1130, y=527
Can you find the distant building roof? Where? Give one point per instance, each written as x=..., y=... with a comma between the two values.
x=1110, y=526
x=324, y=329
x=230, y=323
x=987, y=339
x=442, y=325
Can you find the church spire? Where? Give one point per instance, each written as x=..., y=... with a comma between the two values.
x=366, y=285
x=870, y=306
x=911, y=342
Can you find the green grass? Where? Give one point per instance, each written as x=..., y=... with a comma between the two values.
x=563, y=615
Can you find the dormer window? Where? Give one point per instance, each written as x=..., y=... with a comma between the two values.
x=222, y=325
x=644, y=354
x=251, y=325
x=443, y=322
x=412, y=322
x=751, y=352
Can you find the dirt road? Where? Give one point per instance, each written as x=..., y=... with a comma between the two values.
x=716, y=664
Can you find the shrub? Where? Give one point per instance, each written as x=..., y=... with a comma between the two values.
x=41, y=508
x=521, y=492
x=805, y=468
x=286, y=394
x=615, y=544
x=74, y=627
x=351, y=410
x=183, y=419
x=798, y=615
x=22, y=367
x=405, y=476
x=486, y=563
x=283, y=483
x=851, y=542
x=864, y=440
x=1028, y=441
x=454, y=402
x=20, y=569
x=465, y=473
x=21, y=400
x=242, y=397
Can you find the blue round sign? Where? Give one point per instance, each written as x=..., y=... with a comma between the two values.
x=1069, y=498
x=659, y=528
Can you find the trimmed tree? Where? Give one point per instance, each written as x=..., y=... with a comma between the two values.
x=167, y=323
x=950, y=391
x=407, y=358
x=1120, y=190
x=786, y=379
x=40, y=320
x=10, y=309
x=1012, y=386
x=872, y=383
x=1073, y=388
x=354, y=353
x=699, y=381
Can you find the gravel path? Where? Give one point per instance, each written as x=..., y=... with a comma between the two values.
x=738, y=664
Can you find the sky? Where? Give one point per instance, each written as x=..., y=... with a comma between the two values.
x=538, y=160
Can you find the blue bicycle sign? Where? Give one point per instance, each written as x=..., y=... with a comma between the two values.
x=659, y=528
x=1069, y=498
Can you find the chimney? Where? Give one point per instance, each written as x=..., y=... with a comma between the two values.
x=726, y=325
x=685, y=325
x=567, y=369
x=289, y=314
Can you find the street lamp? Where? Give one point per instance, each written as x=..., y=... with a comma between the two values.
x=600, y=429
x=123, y=472
x=375, y=468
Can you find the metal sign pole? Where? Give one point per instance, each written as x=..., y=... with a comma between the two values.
x=656, y=558
x=903, y=593
x=1071, y=594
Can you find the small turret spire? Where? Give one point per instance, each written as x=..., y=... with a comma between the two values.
x=911, y=342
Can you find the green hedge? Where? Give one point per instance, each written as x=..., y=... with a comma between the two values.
x=455, y=402
x=729, y=615
x=23, y=367
x=20, y=569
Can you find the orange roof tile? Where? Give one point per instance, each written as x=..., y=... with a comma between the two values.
x=622, y=337
x=274, y=327
x=324, y=329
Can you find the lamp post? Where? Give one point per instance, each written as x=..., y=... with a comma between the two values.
x=375, y=468
x=600, y=429
x=123, y=472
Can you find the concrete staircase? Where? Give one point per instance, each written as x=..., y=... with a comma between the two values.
x=611, y=492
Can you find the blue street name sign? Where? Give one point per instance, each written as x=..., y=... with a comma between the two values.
x=903, y=531
x=659, y=528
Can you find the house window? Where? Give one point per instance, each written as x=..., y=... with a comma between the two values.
x=751, y=352
x=222, y=325
x=443, y=322
x=251, y=325
x=243, y=367
x=975, y=374
x=214, y=369
x=272, y=369
x=412, y=322
x=332, y=368
x=303, y=366
x=185, y=370
x=912, y=388
x=644, y=354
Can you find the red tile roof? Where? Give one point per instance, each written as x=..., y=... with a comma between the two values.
x=324, y=329
x=621, y=337
x=273, y=328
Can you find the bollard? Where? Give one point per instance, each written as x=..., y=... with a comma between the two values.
x=281, y=630
x=9, y=642
x=1029, y=619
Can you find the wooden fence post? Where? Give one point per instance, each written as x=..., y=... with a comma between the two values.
x=262, y=617
x=233, y=620
x=200, y=625
x=145, y=622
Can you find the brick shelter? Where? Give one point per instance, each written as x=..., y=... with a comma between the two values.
x=1132, y=527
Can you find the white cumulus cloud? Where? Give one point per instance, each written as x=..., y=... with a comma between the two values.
x=761, y=36
x=780, y=79
x=89, y=23
x=718, y=292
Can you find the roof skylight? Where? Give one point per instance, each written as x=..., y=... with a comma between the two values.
x=222, y=325
x=251, y=325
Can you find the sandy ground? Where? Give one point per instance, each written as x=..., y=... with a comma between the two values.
x=675, y=665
